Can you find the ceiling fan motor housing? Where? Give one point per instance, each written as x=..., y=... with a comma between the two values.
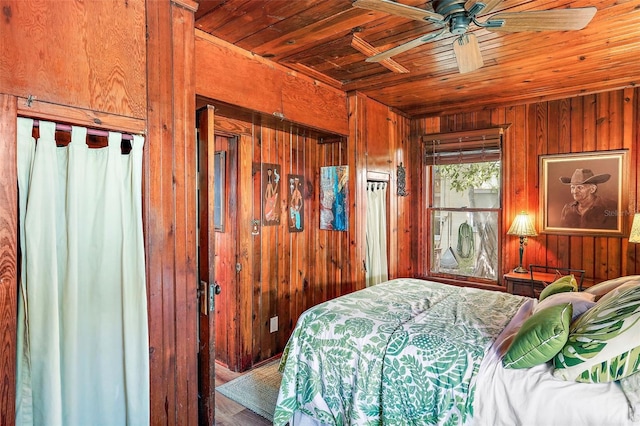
x=448, y=7
x=455, y=13
x=459, y=24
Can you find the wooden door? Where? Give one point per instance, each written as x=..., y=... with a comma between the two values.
x=206, y=268
x=226, y=262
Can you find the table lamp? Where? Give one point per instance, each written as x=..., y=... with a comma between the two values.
x=634, y=235
x=523, y=227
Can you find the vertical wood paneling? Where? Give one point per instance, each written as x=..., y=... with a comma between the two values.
x=253, y=289
x=632, y=117
x=311, y=223
x=406, y=217
x=603, y=121
x=169, y=213
x=357, y=159
x=184, y=109
x=395, y=150
x=268, y=255
x=8, y=257
x=133, y=78
x=158, y=218
x=243, y=309
x=282, y=299
x=576, y=142
x=529, y=127
x=628, y=134
x=514, y=191
x=283, y=273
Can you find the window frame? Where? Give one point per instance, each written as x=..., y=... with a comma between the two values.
x=444, y=148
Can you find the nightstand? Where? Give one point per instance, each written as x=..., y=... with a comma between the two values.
x=521, y=284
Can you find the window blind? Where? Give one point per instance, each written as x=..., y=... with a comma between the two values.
x=463, y=147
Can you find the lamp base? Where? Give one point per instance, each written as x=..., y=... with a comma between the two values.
x=520, y=270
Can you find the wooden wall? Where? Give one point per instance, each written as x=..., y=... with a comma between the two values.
x=152, y=90
x=169, y=212
x=126, y=66
x=599, y=122
x=90, y=55
x=380, y=138
x=282, y=273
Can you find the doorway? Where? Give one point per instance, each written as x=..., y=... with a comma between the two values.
x=217, y=156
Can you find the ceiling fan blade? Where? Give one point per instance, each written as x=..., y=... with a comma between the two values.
x=543, y=20
x=467, y=51
x=489, y=5
x=399, y=9
x=404, y=47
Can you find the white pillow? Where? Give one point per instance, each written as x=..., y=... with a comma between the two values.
x=631, y=387
x=580, y=301
x=605, y=287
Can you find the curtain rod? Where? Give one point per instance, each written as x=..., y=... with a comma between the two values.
x=90, y=131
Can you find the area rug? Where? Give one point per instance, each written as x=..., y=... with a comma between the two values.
x=257, y=389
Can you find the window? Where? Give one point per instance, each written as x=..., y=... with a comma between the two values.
x=464, y=203
x=219, y=170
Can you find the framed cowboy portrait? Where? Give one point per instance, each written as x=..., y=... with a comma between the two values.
x=584, y=193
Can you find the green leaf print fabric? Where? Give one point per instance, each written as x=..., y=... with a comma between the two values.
x=404, y=352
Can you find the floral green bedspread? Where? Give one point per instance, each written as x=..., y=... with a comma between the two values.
x=404, y=352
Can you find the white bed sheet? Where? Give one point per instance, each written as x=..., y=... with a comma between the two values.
x=534, y=397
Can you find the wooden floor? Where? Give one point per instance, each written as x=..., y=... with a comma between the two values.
x=229, y=412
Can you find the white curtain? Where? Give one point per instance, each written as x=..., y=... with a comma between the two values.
x=83, y=351
x=376, y=262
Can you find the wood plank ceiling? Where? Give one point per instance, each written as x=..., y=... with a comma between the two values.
x=317, y=38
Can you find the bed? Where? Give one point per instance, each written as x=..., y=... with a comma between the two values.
x=413, y=352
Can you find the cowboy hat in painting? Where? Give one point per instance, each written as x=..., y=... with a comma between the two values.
x=585, y=176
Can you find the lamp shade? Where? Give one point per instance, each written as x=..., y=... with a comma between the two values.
x=634, y=236
x=522, y=226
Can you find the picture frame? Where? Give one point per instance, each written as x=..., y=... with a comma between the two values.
x=271, y=209
x=583, y=193
x=295, y=218
x=334, y=198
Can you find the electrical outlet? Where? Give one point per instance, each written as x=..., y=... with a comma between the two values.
x=273, y=325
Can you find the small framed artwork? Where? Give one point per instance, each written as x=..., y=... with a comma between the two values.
x=583, y=194
x=296, y=203
x=271, y=209
x=334, y=198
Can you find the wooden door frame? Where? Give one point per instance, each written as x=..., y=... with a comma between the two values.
x=8, y=254
x=206, y=270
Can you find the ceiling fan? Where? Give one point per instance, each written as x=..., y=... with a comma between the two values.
x=455, y=16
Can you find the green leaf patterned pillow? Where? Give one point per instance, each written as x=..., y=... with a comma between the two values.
x=604, y=343
x=540, y=337
x=566, y=283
